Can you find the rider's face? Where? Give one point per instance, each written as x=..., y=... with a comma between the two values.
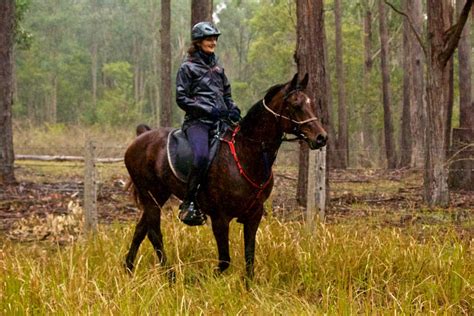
x=208, y=44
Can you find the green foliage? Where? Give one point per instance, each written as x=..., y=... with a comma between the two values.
x=23, y=38
x=237, y=36
x=256, y=49
x=117, y=106
x=273, y=46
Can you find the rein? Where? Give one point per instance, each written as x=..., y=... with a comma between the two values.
x=231, y=144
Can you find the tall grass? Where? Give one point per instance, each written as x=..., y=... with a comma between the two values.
x=60, y=139
x=339, y=269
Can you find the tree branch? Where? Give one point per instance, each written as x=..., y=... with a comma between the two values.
x=454, y=34
x=418, y=37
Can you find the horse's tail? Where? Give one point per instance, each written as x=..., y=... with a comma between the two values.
x=129, y=186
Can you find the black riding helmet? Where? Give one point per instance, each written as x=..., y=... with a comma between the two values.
x=202, y=30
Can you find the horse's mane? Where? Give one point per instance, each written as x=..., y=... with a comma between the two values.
x=271, y=92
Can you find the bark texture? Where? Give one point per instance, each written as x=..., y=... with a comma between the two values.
x=201, y=10
x=342, y=131
x=165, y=117
x=387, y=97
x=310, y=58
x=443, y=40
x=466, y=104
x=7, y=24
x=406, y=141
x=461, y=155
x=417, y=62
x=367, y=135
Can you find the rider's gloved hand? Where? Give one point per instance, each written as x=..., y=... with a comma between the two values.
x=215, y=114
x=234, y=115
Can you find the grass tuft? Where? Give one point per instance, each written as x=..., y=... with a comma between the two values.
x=336, y=269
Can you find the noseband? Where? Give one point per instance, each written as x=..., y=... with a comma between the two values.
x=296, y=129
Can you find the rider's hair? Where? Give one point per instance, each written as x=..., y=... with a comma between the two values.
x=194, y=47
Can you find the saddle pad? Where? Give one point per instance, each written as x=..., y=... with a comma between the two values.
x=180, y=155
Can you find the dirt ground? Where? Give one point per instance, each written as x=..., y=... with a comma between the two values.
x=353, y=193
x=371, y=197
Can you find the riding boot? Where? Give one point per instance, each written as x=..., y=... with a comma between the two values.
x=189, y=212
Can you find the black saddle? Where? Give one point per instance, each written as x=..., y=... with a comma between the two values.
x=180, y=155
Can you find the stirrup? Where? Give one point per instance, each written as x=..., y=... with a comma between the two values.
x=191, y=215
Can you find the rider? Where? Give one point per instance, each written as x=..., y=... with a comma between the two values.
x=204, y=93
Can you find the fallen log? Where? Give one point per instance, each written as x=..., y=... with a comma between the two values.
x=63, y=158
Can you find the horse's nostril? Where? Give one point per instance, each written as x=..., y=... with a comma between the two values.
x=321, y=139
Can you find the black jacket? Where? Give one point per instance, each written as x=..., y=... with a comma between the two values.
x=203, y=90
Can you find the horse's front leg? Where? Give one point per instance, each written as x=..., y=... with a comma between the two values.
x=250, y=232
x=220, y=228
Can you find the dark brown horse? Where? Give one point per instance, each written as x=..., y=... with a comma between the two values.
x=240, y=177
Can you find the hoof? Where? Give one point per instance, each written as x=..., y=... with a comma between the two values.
x=171, y=274
x=128, y=267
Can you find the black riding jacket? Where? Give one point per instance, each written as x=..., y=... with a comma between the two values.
x=203, y=90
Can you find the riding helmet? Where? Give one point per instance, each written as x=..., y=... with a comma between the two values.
x=204, y=29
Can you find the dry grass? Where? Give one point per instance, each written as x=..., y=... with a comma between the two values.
x=336, y=269
x=380, y=252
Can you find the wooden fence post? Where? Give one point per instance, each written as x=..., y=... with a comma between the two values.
x=311, y=194
x=90, y=188
x=316, y=196
x=321, y=182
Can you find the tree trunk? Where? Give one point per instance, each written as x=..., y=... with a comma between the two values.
x=94, y=53
x=94, y=66
x=7, y=156
x=367, y=136
x=331, y=149
x=461, y=175
x=418, y=107
x=443, y=40
x=165, y=117
x=54, y=100
x=310, y=59
x=342, y=133
x=466, y=104
x=405, y=133
x=154, y=88
x=201, y=10
x=387, y=102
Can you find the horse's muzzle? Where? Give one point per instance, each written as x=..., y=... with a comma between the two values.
x=319, y=142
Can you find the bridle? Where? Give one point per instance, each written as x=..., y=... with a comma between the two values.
x=297, y=127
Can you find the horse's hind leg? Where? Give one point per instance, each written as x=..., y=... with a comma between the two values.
x=140, y=232
x=149, y=224
x=154, y=227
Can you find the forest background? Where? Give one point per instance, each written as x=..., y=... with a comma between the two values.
x=96, y=63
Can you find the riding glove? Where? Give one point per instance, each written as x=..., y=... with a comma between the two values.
x=234, y=115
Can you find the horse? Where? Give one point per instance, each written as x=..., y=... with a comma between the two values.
x=239, y=179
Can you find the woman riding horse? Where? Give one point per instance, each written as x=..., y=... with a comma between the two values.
x=239, y=179
x=204, y=93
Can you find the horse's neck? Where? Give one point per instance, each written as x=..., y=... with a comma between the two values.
x=260, y=129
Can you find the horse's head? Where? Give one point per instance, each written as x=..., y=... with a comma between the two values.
x=295, y=112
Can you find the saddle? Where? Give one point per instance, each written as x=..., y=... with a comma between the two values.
x=180, y=155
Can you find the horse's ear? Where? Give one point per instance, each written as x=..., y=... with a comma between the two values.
x=294, y=83
x=304, y=83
